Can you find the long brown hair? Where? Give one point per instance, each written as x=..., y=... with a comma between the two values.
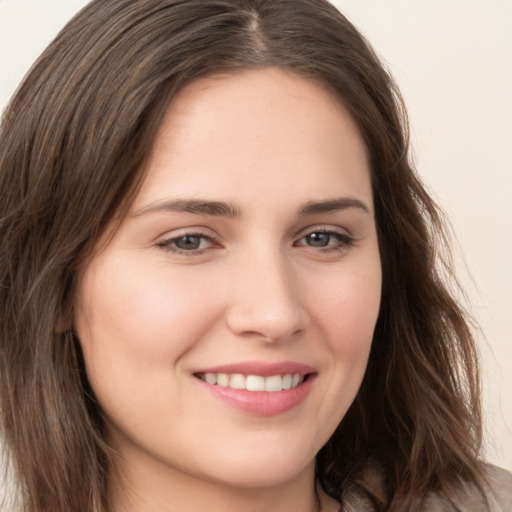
x=73, y=144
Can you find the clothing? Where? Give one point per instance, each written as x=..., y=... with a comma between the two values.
x=497, y=488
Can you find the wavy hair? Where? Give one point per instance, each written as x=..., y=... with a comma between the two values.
x=73, y=144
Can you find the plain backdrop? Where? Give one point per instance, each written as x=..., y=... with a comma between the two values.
x=453, y=62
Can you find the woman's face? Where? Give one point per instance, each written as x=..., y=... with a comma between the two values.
x=227, y=324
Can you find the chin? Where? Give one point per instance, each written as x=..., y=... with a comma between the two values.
x=250, y=476
x=254, y=467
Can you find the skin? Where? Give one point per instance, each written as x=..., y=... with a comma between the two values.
x=258, y=286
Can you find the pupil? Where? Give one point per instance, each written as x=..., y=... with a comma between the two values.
x=189, y=242
x=318, y=239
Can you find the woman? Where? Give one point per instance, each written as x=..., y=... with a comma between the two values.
x=220, y=283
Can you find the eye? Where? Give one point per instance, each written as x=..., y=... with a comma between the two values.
x=187, y=243
x=326, y=240
x=318, y=239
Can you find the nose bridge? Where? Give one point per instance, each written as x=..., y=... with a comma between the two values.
x=265, y=302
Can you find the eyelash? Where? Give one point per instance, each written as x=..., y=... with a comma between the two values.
x=167, y=244
x=344, y=242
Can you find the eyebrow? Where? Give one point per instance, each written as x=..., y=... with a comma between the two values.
x=194, y=206
x=332, y=205
x=224, y=209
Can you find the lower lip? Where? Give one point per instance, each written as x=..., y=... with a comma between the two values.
x=262, y=403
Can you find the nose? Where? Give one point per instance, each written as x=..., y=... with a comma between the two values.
x=265, y=302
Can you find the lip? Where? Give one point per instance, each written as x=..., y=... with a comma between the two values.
x=260, y=368
x=261, y=403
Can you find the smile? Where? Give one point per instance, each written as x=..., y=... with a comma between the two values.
x=259, y=388
x=271, y=383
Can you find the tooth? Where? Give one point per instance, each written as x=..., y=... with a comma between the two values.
x=237, y=381
x=223, y=380
x=255, y=383
x=274, y=383
x=211, y=378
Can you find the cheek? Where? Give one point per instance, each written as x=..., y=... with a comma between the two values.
x=135, y=326
x=139, y=311
x=347, y=312
x=344, y=307
x=347, y=305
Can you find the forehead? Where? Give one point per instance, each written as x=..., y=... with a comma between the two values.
x=258, y=131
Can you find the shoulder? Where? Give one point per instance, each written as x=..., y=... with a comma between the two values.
x=497, y=487
x=494, y=495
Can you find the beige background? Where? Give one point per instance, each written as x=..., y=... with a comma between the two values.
x=453, y=61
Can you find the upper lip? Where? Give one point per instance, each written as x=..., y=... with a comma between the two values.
x=260, y=368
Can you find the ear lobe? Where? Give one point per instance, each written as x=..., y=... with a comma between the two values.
x=64, y=320
x=62, y=325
